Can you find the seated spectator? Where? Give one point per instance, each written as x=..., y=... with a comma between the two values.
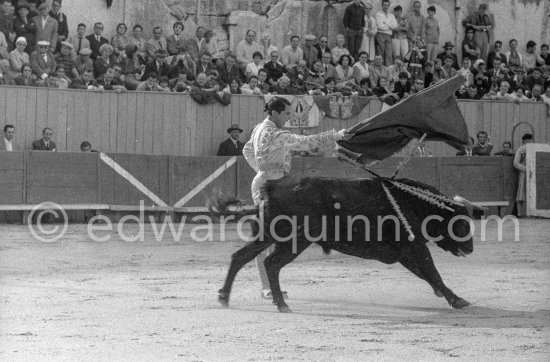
x=417, y=86
x=414, y=60
x=365, y=88
x=184, y=63
x=546, y=96
x=210, y=46
x=45, y=143
x=86, y=146
x=313, y=87
x=205, y=65
x=6, y=77
x=292, y=54
x=65, y=58
x=466, y=72
x=105, y=60
x=328, y=69
x=378, y=69
x=253, y=67
x=428, y=74
x=534, y=76
x=382, y=91
x=396, y=69
x=156, y=43
x=195, y=44
x=531, y=58
x=120, y=40
x=267, y=47
x=246, y=48
x=470, y=48
x=86, y=81
x=520, y=80
x=18, y=56
x=251, y=87
x=520, y=94
x=439, y=73
x=42, y=61
x=7, y=144
x=344, y=73
x=79, y=41
x=232, y=146
x=536, y=93
x=228, y=70
x=330, y=87
x=109, y=82
x=298, y=75
x=283, y=86
x=496, y=54
x=493, y=91
x=483, y=146
x=506, y=150
x=448, y=51
x=497, y=71
x=159, y=66
x=361, y=67
x=317, y=72
x=262, y=81
x=84, y=62
x=24, y=26
x=4, y=54
x=544, y=56
x=137, y=40
x=234, y=87
x=448, y=67
x=403, y=87
x=514, y=59
x=150, y=85
x=481, y=73
x=339, y=49
x=26, y=78
x=63, y=81
x=468, y=149
x=96, y=40
x=310, y=52
x=275, y=70
x=503, y=93
x=205, y=84
x=181, y=83
x=163, y=84
x=471, y=93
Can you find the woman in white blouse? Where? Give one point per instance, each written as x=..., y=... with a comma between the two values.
x=361, y=68
x=255, y=66
x=344, y=72
x=339, y=49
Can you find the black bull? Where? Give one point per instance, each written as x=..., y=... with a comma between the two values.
x=332, y=202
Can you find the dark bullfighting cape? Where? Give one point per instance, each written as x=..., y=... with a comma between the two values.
x=433, y=112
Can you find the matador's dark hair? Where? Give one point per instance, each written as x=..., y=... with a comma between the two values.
x=276, y=104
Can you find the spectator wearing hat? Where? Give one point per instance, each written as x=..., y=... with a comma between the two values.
x=470, y=48
x=156, y=43
x=84, y=62
x=42, y=61
x=432, y=34
x=46, y=27
x=159, y=66
x=62, y=25
x=65, y=58
x=448, y=50
x=18, y=56
x=232, y=146
x=96, y=40
x=385, y=23
x=79, y=40
x=481, y=23
x=354, y=25
x=417, y=25
x=310, y=52
x=496, y=54
x=175, y=41
x=25, y=27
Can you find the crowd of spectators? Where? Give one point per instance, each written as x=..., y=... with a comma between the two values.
x=390, y=55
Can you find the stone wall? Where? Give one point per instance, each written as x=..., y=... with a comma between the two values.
x=521, y=19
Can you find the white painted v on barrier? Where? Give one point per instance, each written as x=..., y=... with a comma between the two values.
x=131, y=179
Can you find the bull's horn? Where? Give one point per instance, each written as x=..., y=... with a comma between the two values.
x=468, y=204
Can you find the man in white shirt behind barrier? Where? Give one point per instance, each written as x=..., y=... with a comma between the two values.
x=268, y=153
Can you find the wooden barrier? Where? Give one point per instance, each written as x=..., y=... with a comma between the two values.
x=172, y=124
x=12, y=177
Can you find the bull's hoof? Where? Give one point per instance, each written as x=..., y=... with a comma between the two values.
x=459, y=303
x=223, y=298
x=438, y=293
x=284, y=309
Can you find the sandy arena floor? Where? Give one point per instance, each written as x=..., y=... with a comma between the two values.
x=156, y=300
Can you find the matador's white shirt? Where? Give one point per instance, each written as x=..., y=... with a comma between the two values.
x=268, y=151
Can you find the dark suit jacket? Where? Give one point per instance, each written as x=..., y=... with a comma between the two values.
x=274, y=71
x=94, y=45
x=39, y=65
x=173, y=45
x=482, y=151
x=19, y=80
x=78, y=83
x=26, y=30
x=40, y=145
x=227, y=148
x=62, y=26
x=152, y=67
x=320, y=52
x=227, y=75
x=47, y=33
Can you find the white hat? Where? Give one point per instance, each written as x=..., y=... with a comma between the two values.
x=21, y=39
x=43, y=42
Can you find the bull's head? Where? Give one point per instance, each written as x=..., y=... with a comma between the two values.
x=455, y=231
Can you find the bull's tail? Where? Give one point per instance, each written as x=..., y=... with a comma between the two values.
x=221, y=204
